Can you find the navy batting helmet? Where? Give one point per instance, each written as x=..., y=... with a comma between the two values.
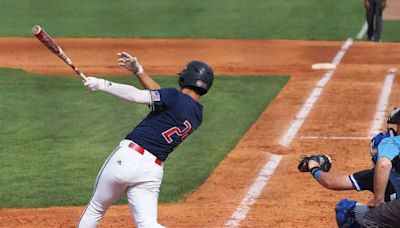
x=198, y=76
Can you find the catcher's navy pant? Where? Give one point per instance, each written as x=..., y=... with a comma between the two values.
x=374, y=20
x=133, y=171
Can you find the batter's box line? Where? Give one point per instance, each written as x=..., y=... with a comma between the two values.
x=254, y=191
x=335, y=137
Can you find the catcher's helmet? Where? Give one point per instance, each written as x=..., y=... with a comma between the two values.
x=394, y=117
x=198, y=76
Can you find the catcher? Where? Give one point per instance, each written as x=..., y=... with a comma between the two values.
x=347, y=210
x=380, y=213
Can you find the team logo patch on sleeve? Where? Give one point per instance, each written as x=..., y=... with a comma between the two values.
x=155, y=95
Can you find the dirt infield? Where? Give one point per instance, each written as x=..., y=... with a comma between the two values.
x=392, y=10
x=346, y=108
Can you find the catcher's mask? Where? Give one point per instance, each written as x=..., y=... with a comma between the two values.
x=197, y=76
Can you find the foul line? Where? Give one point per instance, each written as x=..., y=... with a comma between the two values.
x=254, y=192
x=362, y=32
x=379, y=114
x=296, y=124
x=383, y=102
x=266, y=172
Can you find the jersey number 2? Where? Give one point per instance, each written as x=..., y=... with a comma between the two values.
x=175, y=130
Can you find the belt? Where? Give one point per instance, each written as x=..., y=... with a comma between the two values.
x=141, y=150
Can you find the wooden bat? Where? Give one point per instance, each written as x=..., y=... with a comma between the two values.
x=43, y=37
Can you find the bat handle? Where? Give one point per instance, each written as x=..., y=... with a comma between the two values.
x=83, y=76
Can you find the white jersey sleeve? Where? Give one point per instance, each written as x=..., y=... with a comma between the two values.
x=129, y=93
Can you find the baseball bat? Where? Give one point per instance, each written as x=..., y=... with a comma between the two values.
x=43, y=37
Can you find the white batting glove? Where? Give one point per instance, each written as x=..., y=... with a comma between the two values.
x=96, y=84
x=130, y=63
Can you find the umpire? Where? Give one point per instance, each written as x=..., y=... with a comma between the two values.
x=374, y=10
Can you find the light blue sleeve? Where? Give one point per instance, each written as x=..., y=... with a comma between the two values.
x=389, y=147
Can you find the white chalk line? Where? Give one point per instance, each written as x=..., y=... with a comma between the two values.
x=379, y=117
x=336, y=137
x=296, y=124
x=266, y=172
x=254, y=192
x=362, y=32
x=383, y=102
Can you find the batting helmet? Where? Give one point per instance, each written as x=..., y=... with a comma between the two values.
x=198, y=76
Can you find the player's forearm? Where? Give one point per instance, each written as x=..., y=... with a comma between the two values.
x=147, y=82
x=381, y=177
x=128, y=93
x=334, y=182
x=132, y=64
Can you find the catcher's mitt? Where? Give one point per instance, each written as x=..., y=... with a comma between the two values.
x=323, y=160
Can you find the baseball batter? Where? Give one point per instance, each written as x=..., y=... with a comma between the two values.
x=135, y=167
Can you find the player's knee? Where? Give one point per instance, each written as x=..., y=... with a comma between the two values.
x=96, y=210
x=92, y=216
x=87, y=222
x=345, y=214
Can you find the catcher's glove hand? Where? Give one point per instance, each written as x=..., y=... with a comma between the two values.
x=323, y=160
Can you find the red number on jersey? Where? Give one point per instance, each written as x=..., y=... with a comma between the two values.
x=175, y=130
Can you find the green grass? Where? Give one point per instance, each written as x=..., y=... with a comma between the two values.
x=294, y=19
x=391, y=31
x=55, y=135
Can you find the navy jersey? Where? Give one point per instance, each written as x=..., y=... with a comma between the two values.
x=173, y=117
x=364, y=180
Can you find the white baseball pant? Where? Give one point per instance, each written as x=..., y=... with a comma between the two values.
x=126, y=171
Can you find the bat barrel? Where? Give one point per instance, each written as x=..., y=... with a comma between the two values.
x=47, y=41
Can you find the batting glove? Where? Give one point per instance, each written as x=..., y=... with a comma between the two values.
x=96, y=84
x=130, y=63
